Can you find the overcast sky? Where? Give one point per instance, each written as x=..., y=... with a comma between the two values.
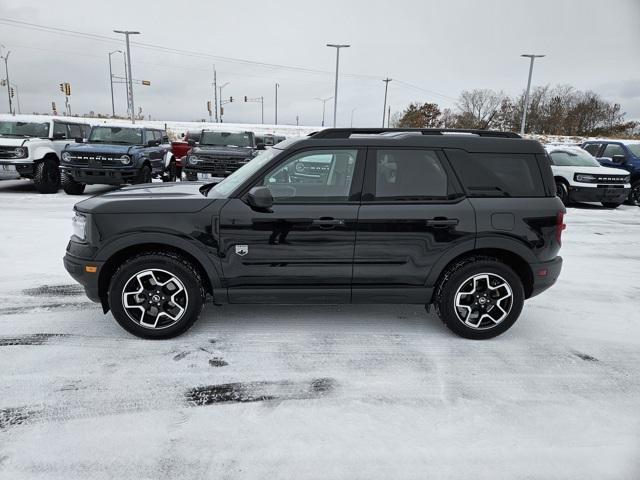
x=442, y=47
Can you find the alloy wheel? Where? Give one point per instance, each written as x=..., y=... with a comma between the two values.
x=155, y=299
x=483, y=301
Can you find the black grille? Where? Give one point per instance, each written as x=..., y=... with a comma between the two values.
x=96, y=160
x=218, y=164
x=611, y=179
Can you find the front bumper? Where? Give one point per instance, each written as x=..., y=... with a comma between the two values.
x=545, y=275
x=609, y=193
x=103, y=176
x=23, y=169
x=191, y=173
x=77, y=268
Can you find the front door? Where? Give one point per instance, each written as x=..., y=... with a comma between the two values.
x=301, y=250
x=411, y=214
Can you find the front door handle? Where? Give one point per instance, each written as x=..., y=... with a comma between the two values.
x=327, y=223
x=441, y=222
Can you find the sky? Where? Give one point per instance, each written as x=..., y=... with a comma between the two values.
x=432, y=50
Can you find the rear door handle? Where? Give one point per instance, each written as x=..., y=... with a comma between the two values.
x=328, y=223
x=442, y=222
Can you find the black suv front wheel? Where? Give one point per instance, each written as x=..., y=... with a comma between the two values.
x=479, y=298
x=156, y=295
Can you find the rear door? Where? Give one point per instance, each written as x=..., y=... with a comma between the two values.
x=301, y=250
x=412, y=213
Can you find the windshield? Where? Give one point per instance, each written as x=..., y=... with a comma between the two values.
x=635, y=148
x=226, y=139
x=24, y=129
x=573, y=158
x=237, y=178
x=120, y=135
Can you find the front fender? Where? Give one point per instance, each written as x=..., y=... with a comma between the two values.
x=39, y=152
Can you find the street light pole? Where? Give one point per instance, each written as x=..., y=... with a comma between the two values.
x=113, y=105
x=277, y=86
x=17, y=96
x=6, y=69
x=384, y=108
x=337, y=46
x=126, y=33
x=526, y=95
x=324, y=101
x=220, y=90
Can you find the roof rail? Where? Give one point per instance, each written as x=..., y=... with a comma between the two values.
x=335, y=133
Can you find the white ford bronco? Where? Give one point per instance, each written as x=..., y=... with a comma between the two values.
x=31, y=145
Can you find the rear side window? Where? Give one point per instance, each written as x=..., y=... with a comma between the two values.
x=613, y=149
x=592, y=148
x=75, y=131
x=409, y=175
x=499, y=174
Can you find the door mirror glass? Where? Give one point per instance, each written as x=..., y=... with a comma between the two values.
x=79, y=140
x=260, y=197
x=618, y=158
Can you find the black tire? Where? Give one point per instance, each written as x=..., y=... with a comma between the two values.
x=144, y=176
x=634, y=194
x=611, y=204
x=46, y=176
x=458, y=277
x=171, y=173
x=70, y=186
x=562, y=192
x=190, y=287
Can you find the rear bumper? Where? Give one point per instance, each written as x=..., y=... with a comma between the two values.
x=545, y=275
x=612, y=194
x=103, y=176
x=77, y=269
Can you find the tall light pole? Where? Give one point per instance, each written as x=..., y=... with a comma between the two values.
x=337, y=46
x=14, y=86
x=384, y=108
x=277, y=86
x=5, y=57
x=324, y=101
x=215, y=92
x=126, y=33
x=113, y=105
x=220, y=95
x=526, y=95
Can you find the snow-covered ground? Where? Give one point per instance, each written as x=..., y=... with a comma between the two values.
x=354, y=392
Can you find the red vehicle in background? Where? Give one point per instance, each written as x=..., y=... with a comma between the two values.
x=180, y=148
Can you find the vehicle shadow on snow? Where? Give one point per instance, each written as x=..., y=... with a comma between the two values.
x=27, y=186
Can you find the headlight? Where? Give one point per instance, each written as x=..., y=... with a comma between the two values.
x=192, y=159
x=66, y=157
x=585, y=178
x=20, y=152
x=627, y=179
x=79, y=226
x=125, y=159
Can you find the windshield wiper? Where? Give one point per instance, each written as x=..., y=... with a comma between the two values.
x=498, y=189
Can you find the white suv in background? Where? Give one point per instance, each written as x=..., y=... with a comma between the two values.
x=580, y=178
x=31, y=145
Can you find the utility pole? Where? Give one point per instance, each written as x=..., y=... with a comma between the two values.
x=526, y=95
x=384, y=108
x=388, y=116
x=113, y=105
x=5, y=57
x=126, y=33
x=14, y=86
x=220, y=95
x=277, y=86
x=335, y=94
x=215, y=92
x=324, y=101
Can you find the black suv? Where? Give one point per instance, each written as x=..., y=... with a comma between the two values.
x=219, y=154
x=466, y=221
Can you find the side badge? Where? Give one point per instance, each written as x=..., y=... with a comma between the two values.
x=242, y=250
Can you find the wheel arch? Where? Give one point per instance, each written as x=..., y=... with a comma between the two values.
x=119, y=251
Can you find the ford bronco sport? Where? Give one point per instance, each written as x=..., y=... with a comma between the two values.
x=31, y=146
x=117, y=154
x=466, y=221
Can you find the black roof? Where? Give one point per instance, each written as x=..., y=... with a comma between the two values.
x=481, y=141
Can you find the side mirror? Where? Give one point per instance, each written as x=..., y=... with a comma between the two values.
x=260, y=146
x=152, y=143
x=79, y=140
x=260, y=198
x=618, y=159
x=192, y=143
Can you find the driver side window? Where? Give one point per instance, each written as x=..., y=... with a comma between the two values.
x=315, y=176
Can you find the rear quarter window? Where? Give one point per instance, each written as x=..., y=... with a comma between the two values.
x=498, y=174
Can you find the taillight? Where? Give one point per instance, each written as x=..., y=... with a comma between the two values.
x=560, y=226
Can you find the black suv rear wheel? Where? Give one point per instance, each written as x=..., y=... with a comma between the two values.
x=479, y=298
x=156, y=295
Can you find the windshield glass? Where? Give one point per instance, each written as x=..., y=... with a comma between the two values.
x=573, y=158
x=24, y=129
x=237, y=178
x=121, y=135
x=635, y=148
x=226, y=139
